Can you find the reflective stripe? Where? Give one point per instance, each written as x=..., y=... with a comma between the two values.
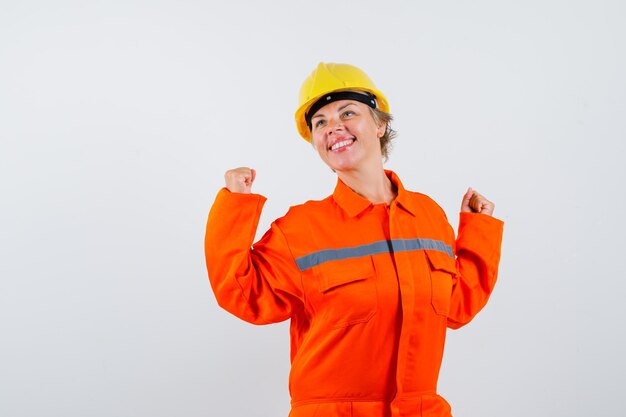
x=382, y=246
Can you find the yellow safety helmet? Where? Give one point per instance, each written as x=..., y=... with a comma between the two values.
x=334, y=78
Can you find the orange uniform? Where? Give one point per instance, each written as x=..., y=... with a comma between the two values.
x=370, y=290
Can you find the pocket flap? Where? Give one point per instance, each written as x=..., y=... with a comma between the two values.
x=335, y=273
x=441, y=261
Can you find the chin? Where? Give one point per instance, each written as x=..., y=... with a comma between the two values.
x=341, y=168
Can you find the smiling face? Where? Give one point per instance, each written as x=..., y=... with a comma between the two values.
x=346, y=136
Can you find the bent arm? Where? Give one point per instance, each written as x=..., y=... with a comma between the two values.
x=259, y=284
x=478, y=255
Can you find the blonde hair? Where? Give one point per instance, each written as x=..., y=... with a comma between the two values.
x=390, y=134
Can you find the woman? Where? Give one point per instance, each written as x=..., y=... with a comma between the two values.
x=370, y=277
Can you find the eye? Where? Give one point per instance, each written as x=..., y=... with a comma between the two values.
x=319, y=123
x=348, y=113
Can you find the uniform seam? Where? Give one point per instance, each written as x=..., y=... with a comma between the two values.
x=293, y=258
x=339, y=400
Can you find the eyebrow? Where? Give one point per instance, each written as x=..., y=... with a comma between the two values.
x=343, y=107
x=339, y=109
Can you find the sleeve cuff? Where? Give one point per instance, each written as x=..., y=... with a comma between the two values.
x=229, y=199
x=235, y=213
x=480, y=233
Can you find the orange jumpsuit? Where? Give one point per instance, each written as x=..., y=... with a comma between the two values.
x=370, y=290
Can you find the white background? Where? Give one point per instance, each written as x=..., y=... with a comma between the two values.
x=118, y=119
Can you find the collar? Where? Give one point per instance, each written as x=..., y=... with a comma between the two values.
x=353, y=204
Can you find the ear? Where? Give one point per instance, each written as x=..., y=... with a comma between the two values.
x=380, y=131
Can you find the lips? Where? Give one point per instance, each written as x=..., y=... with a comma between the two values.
x=341, y=143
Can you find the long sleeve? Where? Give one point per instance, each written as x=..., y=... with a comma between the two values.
x=259, y=284
x=478, y=255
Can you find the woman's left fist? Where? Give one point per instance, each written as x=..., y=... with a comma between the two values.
x=476, y=203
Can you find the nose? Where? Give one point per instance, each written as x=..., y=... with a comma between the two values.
x=333, y=126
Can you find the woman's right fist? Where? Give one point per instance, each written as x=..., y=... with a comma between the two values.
x=239, y=180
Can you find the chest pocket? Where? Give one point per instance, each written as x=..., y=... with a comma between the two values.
x=442, y=272
x=348, y=293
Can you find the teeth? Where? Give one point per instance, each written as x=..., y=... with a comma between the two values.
x=340, y=144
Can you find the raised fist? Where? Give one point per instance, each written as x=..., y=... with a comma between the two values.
x=476, y=203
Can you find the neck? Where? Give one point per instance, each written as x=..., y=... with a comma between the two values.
x=372, y=185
